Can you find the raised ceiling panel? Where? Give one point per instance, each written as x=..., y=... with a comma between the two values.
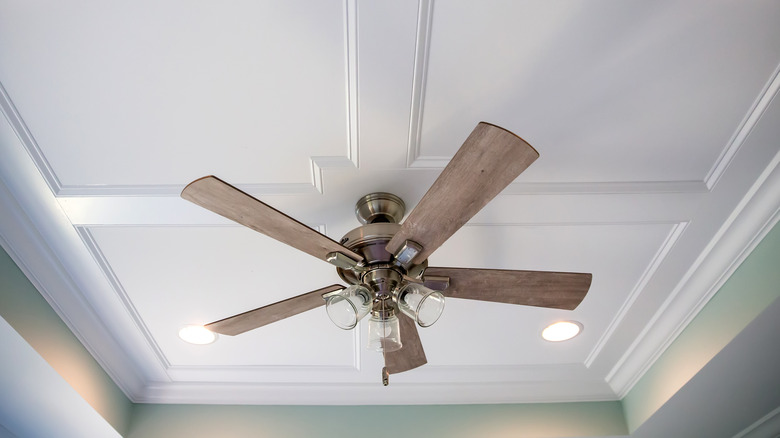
x=173, y=277
x=605, y=91
x=195, y=275
x=164, y=92
x=470, y=332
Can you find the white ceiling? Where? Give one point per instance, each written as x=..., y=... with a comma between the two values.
x=654, y=120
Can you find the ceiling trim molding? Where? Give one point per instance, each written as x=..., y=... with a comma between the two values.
x=430, y=374
x=764, y=427
x=29, y=250
x=317, y=164
x=119, y=290
x=44, y=244
x=320, y=164
x=335, y=385
x=399, y=392
x=25, y=136
x=749, y=122
x=513, y=373
x=175, y=189
x=571, y=223
x=263, y=373
x=592, y=209
x=748, y=223
x=420, y=78
x=663, y=251
x=605, y=187
x=418, y=161
x=351, y=74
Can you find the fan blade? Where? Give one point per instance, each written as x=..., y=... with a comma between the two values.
x=237, y=324
x=557, y=290
x=220, y=197
x=411, y=354
x=488, y=161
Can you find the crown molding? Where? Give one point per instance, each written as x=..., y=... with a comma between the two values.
x=400, y=391
x=764, y=427
x=119, y=291
x=267, y=373
x=351, y=75
x=28, y=249
x=25, y=136
x=144, y=190
x=320, y=164
x=676, y=231
x=420, y=78
x=754, y=216
x=317, y=164
x=42, y=241
x=605, y=188
x=744, y=129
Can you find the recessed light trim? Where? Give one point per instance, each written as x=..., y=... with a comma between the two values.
x=562, y=331
x=197, y=334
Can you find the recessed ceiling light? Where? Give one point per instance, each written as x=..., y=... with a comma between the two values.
x=562, y=331
x=197, y=334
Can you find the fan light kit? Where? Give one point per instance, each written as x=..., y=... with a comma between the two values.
x=385, y=262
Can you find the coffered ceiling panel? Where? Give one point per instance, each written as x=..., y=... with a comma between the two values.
x=656, y=124
x=149, y=93
x=194, y=275
x=173, y=277
x=609, y=92
x=576, y=248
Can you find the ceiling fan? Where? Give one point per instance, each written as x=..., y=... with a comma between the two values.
x=386, y=262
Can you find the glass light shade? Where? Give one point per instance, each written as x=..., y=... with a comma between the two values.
x=384, y=335
x=349, y=306
x=421, y=304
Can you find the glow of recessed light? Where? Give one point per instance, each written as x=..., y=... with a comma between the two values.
x=197, y=334
x=561, y=331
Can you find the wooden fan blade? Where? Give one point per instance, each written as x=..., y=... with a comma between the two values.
x=261, y=316
x=220, y=197
x=489, y=160
x=411, y=354
x=557, y=290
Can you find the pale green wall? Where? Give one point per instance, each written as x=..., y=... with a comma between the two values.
x=31, y=316
x=451, y=421
x=751, y=289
